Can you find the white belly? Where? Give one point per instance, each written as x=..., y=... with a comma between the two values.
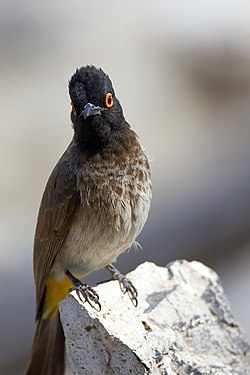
x=97, y=236
x=114, y=207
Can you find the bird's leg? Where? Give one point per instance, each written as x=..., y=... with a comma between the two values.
x=125, y=284
x=84, y=292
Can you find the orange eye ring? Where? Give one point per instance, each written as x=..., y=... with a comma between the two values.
x=109, y=100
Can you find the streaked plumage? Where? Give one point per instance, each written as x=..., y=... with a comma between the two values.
x=94, y=205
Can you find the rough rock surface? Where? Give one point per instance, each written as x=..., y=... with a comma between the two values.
x=182, y=325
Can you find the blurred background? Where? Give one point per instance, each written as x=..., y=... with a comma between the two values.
x=182, y=73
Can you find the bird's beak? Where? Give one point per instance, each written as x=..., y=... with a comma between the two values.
x=90, y=110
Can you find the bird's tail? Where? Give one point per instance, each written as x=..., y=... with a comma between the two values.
x=47, y=356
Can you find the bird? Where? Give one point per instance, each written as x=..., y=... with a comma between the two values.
x=94, y=205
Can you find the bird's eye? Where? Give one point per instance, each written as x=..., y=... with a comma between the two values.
x=73, y=109
x=109, y=100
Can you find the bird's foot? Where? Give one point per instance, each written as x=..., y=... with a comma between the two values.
x=84, y=292
x=126, y=285
x=87, y=294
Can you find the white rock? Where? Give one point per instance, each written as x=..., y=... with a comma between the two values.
x=183, y=325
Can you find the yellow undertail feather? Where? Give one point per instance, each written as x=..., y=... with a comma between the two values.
x=47, y=356
x=56, y=291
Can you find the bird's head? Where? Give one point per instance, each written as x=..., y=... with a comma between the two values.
x=96, y=112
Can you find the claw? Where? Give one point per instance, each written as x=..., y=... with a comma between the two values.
x=126, y=286
x=86, y=294
x=133, y=296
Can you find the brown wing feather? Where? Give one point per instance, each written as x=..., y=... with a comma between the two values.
x=59, y=203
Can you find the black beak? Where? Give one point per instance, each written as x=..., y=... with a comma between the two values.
x=90, y=110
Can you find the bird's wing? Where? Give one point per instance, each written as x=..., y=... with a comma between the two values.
x=59, y=204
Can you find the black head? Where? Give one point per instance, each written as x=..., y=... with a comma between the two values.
x=96, y=113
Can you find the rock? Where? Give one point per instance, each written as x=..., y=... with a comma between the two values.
x=183, y=325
